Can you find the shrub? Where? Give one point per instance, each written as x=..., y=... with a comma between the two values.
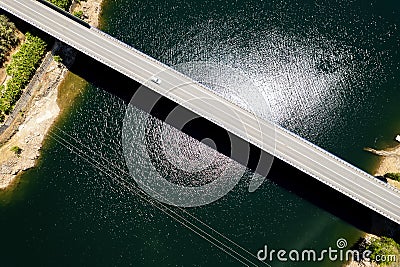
x=63, y=4
x=57, y=58
x=17, y=150
x=78, y=14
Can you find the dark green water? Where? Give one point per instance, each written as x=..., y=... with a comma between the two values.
x=330, y=72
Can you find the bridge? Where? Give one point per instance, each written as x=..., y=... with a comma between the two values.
x=316, y=162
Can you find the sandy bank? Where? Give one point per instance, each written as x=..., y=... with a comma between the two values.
x=389, y=162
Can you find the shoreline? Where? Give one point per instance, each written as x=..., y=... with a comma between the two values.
x=29, y=131
x=355, y=263
x=389, y=162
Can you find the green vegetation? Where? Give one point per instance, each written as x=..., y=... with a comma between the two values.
x=57, y=58
x=78, y=14
x=8, y=37
x=17, y=150
x=383, y=249
x=393, y=176
x=63, y=4
x=21, y=69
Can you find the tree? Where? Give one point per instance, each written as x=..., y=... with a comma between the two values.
x=22, y=67
x=382, y=248
x=8, y=37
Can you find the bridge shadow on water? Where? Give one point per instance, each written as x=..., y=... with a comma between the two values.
x=281, y=173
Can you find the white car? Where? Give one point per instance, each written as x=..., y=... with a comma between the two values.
x=156, y=80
